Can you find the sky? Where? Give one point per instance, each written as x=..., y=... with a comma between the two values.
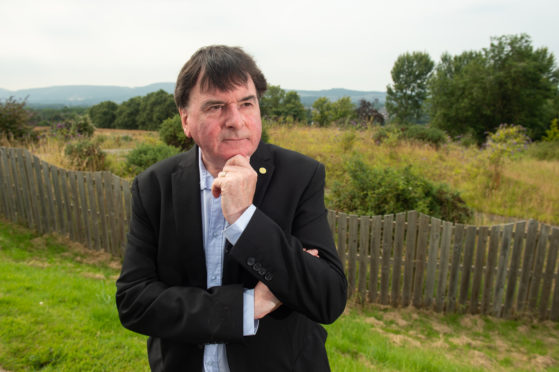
x=306, y=45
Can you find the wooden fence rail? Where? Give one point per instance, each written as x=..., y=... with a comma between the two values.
x=398, y=260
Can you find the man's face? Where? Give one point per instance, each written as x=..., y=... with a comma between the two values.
x=223, y=124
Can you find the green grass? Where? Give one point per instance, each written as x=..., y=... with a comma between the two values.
x=57, y=313
x=57, y=309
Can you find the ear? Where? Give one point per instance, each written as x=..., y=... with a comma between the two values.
x=184, y=121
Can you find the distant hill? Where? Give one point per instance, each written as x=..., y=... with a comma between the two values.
x=88, y=95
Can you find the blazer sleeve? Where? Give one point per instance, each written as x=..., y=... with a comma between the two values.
x=147, y=305
x=315, y=287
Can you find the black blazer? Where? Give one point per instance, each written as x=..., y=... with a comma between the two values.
x=161, y=291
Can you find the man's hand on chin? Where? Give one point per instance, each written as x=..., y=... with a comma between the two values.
x=236, y=184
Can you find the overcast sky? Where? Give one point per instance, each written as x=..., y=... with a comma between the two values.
x=298, y=44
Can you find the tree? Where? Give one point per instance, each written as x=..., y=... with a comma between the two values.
x=127, y=114
x=509, y=82
x=103, y=114
x=293, y=108
x=14, y=119
x=154, y=108
x=367, y=113
x=276, y=103
x=172, y=134
x=404, y=100
x=322, y=111
x=342, y=110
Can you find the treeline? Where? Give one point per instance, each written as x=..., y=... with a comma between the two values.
x=473, y=93
x=149, y=112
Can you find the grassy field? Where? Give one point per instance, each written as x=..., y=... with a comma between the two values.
x=528, y=187
x=57, y=313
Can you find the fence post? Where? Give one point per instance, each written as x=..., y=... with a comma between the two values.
x=432, y=259
x=398, y=248
x=422, y=236
x=386, y=253
x=411, y=235
x=502, y=270
x=376, y=227
x=443, y=273
x=478, y=268
x=363, y=256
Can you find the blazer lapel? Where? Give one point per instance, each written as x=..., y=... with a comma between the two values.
x=188, y=216
x=262, y=162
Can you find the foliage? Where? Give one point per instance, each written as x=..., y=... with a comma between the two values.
x=509, y=82
x=14, y=120
x=424, y=133
x=172, y=134
x=127, y=114
x=507, y=141
x=145, y=155
x=404, y=100
x=85, y=155
x=366, y=112
x=552, y=134
x=76, y=127
x=326, y=112
x=544, y=150
x=322, y=112
x=154, y=108
x=278, y=104
x=379, y=191
x=103, y=114
x=417, y=132
x=44, y=116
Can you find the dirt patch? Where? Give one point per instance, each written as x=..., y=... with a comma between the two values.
x=374, y=321
x=37, y=263
x=93, y=275
x=395, y=317
x=401, y=340
x=479, y=359
x=472, y=323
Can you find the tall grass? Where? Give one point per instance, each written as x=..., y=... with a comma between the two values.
x=528, y=186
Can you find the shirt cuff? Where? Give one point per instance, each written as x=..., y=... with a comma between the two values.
x=234, y=231
x=250, y=325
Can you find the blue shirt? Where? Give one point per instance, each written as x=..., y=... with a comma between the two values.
x=215, y=231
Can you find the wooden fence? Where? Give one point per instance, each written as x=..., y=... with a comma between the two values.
x=398, y=260
x=92, y=208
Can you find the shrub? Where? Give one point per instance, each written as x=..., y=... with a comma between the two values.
x=388, y=133
x=76, y=127
x=172, y=134
x=145, y=155
x=552, y=134
x=85, y=155
x=507, y=142
x=14, y=120
x=379, y=191
x=423, y=133
x=544, y=150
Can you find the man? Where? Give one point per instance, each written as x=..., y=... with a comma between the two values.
x=230, y=263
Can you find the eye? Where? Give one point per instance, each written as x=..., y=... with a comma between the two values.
x=214, y=108
x=247, y=104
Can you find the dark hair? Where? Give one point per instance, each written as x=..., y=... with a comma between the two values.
x=221, y=67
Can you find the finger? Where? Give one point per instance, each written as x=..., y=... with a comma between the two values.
x=238, y=160
x=312, y=252
x=216, y=188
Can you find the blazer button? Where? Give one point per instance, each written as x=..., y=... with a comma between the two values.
x=262, y=271
x=269, y=276
x=257, y=266
x=251, y=261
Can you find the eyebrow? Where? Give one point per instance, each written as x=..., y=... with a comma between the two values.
x=209, y=103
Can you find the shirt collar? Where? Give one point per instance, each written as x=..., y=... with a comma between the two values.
x=206, y=179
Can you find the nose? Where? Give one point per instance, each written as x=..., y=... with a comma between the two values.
x=234, y=117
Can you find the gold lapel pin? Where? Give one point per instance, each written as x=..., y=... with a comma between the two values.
x=262, y=170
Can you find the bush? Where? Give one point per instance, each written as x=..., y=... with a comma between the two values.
x=380, y=191
x=423, y=133
x=14, y=120
x=76, y=127
x=544, y=150
x=172, y=134
x=388, y=133
x=145, y=155
x=552, y=134
x=85, y=155
x=506, y=143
